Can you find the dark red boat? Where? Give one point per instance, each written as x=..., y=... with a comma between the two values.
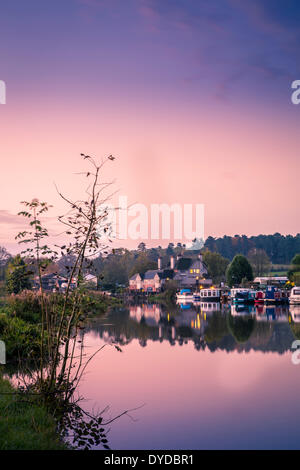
x=259, y=297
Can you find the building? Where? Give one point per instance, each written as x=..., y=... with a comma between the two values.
x=187, y=271
x=90, y=279
x=267, y=280
x=53, y=283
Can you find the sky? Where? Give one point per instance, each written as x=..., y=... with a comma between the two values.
x=193, y=99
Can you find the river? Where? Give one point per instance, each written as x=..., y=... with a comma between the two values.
x=202, y=376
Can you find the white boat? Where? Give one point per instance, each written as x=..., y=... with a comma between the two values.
x=185, y=295
x=295, y=295
x=210, y=295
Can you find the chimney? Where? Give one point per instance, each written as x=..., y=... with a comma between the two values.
x=159, y=263
x=172, y=262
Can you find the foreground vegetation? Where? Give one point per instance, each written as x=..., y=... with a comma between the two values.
x=23, y=425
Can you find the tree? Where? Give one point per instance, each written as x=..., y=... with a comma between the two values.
x=259, y=261
x=239, y=269
x=296, y=260
x=142, y=247
x=4, y=258
x=18, y=276
x=216, y=265
x=294, y=272
x=142, y=264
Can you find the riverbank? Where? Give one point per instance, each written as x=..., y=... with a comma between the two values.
x=23, y=425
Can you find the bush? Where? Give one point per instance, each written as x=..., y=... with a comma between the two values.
x=26, y=305
x=21, y=339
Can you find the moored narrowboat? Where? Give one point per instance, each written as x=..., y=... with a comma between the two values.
x=259, y=297
x=210, y=295
x=272, y=295
x=244, y=297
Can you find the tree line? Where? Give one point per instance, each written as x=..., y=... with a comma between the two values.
x=280, y=249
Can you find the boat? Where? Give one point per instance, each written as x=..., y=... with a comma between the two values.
x=185, y=295
x=273, y=295
x=237, y=290
x=196, y=297
x=259, y=297
x=244, y=297
x=295, y=296
x=210, y=295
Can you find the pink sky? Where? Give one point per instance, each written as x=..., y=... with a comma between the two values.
x=242, y=164
x=194, y=100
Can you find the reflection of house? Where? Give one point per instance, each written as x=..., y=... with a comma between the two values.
x=151, y=313
x=187, y=271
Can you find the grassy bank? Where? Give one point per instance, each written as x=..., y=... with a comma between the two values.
x=25, y=426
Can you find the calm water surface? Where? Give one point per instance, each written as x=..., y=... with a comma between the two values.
x=209, y=378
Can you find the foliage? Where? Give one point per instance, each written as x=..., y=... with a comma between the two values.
x=62, y=316
x=22, y=339
x=259, y=261
x=168, y=294
x=294, y=271
x=25, y=425
x=280, y=249
x=216, y=265
x=18, y=276
x=143, y=264
x=239, y=269
x=296, y=260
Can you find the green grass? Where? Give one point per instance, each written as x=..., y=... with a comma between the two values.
x=25, y=426
x=278, y=273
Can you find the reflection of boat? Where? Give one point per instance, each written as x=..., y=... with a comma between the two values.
x=242, y=309
x=185, y=295
x=208, y=307
x=295, y=295
x=278, y=313
x=295, y=313
x=185, y=305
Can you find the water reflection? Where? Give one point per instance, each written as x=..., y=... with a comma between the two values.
x=205, y=324
x=223, y=373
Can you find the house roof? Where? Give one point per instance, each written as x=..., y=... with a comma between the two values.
x=151, y=274
x=89, y=276
x=133, y=278
x=166, y=273
x=183, y=264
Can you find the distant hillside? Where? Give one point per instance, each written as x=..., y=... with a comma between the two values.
x=279, y=248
